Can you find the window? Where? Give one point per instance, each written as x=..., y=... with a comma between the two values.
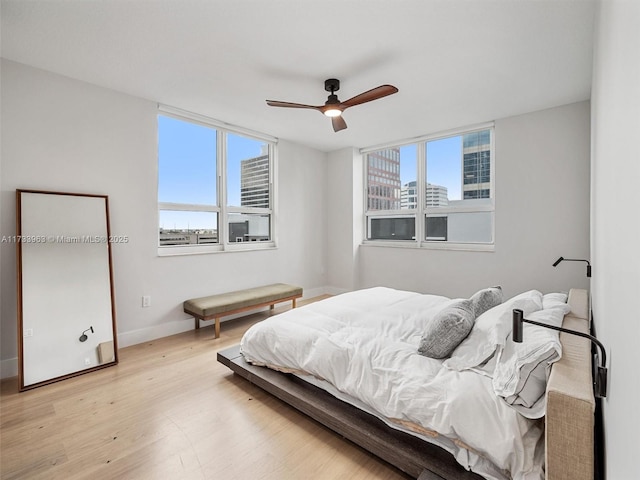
x=215, y=185
x=437, y=191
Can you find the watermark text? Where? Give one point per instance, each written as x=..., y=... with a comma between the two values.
x=64, y=239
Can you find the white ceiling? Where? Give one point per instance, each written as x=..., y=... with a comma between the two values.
x=455, y=62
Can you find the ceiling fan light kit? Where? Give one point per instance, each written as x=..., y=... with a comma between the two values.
x=333, y=112
x=333, y=107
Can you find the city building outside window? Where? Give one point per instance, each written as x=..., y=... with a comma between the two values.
x=437, y=191
x=215, y=185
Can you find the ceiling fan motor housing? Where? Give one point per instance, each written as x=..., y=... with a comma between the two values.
x=332, y=100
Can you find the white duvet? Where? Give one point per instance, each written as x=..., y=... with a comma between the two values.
x=365, y=343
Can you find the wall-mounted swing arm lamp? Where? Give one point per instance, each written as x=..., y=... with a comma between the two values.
x=83, y=337
x=562, y=259
x=600, y=371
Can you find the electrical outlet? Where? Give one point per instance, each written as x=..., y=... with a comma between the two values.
x=87, y=361
x=28, y=332
x=146, y=300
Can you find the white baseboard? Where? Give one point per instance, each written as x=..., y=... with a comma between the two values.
x=126, y=339
x=315, y=292
x=9, y=367
x=335, y=290
x=134, y=337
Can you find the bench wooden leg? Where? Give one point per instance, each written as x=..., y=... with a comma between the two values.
x=197, y=322
x=217, y=327
x=293, y=303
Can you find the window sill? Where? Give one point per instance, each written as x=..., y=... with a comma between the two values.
x=464, y=247
x=209, y=249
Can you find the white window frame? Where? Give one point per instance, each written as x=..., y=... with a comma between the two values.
x=420, y=213
x=222, y=209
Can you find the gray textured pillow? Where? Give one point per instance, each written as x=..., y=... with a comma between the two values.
x=486, y=299
x=447, y=329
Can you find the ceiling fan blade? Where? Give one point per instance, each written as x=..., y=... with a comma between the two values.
x=338, y=123
x=368, y=96
x=276, y=103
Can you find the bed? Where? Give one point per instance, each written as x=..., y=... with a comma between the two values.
x=352, y=362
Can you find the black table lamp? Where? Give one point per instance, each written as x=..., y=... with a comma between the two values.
x=562, y=259
x=599, y=372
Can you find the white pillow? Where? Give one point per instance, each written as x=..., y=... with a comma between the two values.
x=550, y=300
x=490, y=331
x=520, y=375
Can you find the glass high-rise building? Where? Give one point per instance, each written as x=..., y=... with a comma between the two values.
x=435, y=196
x=254, y=182
x=383, y=179
x=476, y=175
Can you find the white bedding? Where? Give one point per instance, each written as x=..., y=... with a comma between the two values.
x=364, y=343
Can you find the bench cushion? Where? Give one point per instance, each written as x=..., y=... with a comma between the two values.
x=227, y=302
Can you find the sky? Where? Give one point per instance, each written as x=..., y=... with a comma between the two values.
x=444, y=164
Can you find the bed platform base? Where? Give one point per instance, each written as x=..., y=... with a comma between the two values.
x=415, y=457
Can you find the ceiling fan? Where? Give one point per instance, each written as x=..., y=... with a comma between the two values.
x=333, y=107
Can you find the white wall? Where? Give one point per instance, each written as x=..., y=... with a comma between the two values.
x=615, y=234
x=62, y=134
x=345, y=213
x=541, y=213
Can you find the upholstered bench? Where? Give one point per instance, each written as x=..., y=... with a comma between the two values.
x=216, y=306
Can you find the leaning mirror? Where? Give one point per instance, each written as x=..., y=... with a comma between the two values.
x=66, y=308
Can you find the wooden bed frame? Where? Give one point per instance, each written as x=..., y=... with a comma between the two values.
x=569, y=432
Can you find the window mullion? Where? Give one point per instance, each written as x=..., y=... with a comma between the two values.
x=221, y=153
x=272, y=193
x=422, y=192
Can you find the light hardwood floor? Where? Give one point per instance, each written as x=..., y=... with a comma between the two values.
x=169, y=410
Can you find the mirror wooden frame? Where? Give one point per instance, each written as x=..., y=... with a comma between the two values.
x=108, y=348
